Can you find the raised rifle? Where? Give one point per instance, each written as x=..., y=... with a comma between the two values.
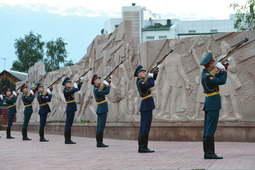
x=34, y=86
x=52, y=84
x=79, y=80
x=231, y=52
x=17, y=90
x=155, y=68
x=108, y=77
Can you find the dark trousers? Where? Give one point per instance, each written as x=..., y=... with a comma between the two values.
x=27, y=117
x=10, y=119
x=43, y=117
x=146, y=118
x=210, y=122
x=101, y=120
x=69, y=120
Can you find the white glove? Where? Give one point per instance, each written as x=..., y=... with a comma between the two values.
x=106, y=83
x=75, y=85
x=49, y=92
x=14, y=93
x=150, y=75
x=1, y=97
x=81, y=79
x=31, y=91
x=220, y=66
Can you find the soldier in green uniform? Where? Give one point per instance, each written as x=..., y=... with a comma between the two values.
x=146, y=107
x=71, y=107
x=44, y=109
x=102, y=108
x=212, y=104
x=27, y=99
x=10, y=101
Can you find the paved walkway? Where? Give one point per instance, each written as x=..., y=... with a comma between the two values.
x=122, y=154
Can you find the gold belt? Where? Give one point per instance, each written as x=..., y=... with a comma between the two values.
x=212, y=94
x=145, y=97
x=28, y=105
x=71, y=101
x=101, y=102
x=10, y=106
x=43, y=104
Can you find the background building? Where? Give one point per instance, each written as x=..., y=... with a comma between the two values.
x=9, y=78
x=149, y=26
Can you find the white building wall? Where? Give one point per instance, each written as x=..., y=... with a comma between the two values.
x=143, y=18
x=207, y=26
x=110, y=25
x=157, y=35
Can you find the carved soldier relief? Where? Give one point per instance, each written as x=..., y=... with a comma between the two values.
x=177, y=93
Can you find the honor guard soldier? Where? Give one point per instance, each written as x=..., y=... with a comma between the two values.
x=10, y=100
x=70, y=107
x=146, y=107
x=44, y=108
x=212, y=104
x=102, y=108
x=27, y=99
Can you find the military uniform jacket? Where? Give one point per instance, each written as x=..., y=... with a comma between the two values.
x=211, y=88
x=69, y=96
x=43, y=103
x=102, y=106
x=27, y=101
x=11, y=104
x=145, y=91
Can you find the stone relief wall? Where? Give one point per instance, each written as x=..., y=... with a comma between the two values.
x=178, y=94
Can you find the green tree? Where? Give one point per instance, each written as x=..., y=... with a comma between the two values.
x=56, y=54
x=29, y=50
x=245, y=17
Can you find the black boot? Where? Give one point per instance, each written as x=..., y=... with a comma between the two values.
x=68, y=137
x=41, y=133
x=144, y=144
x=24, y=134
x=210, y=152
x=140, y=142
x=99, y=138
x=8, y=134
x=204, y=145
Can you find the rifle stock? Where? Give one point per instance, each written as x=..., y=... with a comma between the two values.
x=17, y=90
x=52, y=84
x=34, y=86
x=79, y=80
x=102, y=86
x=154, y=69
x=230, y=53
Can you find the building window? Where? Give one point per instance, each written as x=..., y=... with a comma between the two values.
x=150, y=37
x=192, y=31
x=214, y=31
x=162, y=37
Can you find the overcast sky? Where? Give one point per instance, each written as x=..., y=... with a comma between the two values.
x=79, y=21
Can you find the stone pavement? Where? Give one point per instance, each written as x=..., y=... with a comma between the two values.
x=122, y=154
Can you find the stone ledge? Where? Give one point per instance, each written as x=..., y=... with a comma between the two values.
x=164, y=131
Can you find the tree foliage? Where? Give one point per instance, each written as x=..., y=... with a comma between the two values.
x=245, y=17
x=30, y=50
x=56, y=54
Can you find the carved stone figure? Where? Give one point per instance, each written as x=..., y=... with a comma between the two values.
x=172, y=82
x=228, y=91
x=177, y=92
